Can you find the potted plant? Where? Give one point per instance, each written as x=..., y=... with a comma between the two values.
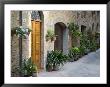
x=28, y=68
x=74, y=54
x=55, y=59
x=49, y=65
x=50, y=35
x=59, y=59
x=34, y=74
x=22, y=32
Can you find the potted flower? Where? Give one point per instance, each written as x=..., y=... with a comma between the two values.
x=22, y=32
x=53, y=38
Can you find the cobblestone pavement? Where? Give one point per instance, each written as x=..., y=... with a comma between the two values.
x=87, y=66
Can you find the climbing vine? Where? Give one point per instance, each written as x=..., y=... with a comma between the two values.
x=74, y=29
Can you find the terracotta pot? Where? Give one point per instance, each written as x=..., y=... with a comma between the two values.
x=34, y=74
x=47, y=38
x=53, y=38
x=49, y=68
x=55, y=68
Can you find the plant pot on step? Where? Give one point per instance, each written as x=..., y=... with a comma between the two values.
x=26, y=75
x=76, y=58
x=34, y=74
x=47, y=38
x=49, y=68
x=55, y=68
x=71, y=60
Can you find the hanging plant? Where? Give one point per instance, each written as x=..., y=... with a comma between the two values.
x=22, y=32
x=50, y=35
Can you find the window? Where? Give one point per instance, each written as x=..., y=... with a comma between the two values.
x=35, y=15
x=83, y=29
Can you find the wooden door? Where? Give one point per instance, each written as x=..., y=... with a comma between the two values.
x=36, y=43
x=58, y=44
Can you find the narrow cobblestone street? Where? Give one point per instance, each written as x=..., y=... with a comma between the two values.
x=88, y=66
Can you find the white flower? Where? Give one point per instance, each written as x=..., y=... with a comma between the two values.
x=26, y=30
x=23, y=29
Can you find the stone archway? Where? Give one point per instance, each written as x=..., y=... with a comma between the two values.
x=61, y=42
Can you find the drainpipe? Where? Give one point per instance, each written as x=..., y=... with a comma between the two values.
x=20, y=44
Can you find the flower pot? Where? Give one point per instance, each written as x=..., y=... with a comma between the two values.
x=76, y=58
x=34, y=74
x=27, y=75
x=55, y=68
x=53, y=38
x=71, y=60
x=47, y=38
x=49, y=68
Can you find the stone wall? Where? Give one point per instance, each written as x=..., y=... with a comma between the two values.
x=89, y=19
x=50, y=19
x=26, y=45
x=14, y=44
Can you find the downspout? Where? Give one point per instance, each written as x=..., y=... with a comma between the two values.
x=20, y=44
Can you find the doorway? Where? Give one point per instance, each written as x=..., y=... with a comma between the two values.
x=61, y=38
x=36, y=38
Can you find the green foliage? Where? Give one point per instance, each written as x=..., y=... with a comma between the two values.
x=74, y=53
x=74, y=29
x=22, y=32
x=89, y=42
x=84, y=42
x=55, y=58
x=50, y=35
x=28, y=67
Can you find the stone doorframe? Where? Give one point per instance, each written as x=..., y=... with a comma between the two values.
x=65, y=32
x=40, y=17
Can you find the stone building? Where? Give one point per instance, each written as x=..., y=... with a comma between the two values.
x=40, y=22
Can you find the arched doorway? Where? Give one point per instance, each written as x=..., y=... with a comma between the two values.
x=36, y=24
x=61, y=39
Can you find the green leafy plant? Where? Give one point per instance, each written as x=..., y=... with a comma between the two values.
x=28, y=67
x=88, y=42
x=50, y=35
x=74, y=29
x=55, y=59
x=85, y=43
x=74, y=54
x=22, y=32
